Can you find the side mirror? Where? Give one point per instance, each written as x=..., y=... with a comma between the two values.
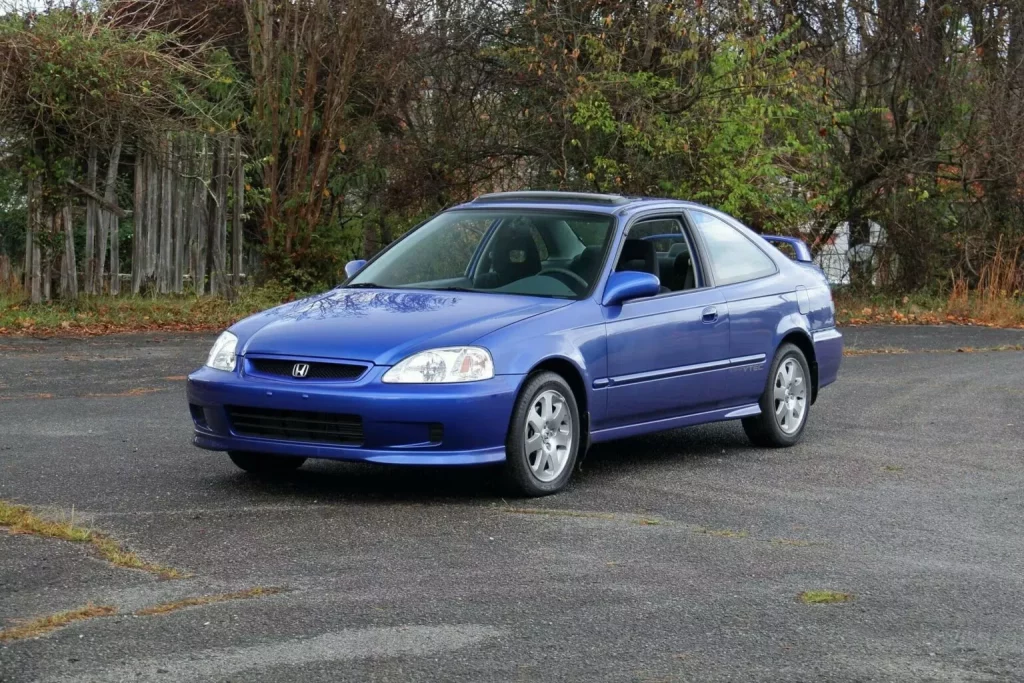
x=353, y=267
x=628, y=284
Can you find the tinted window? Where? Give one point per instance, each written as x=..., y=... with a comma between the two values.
x=734, y=258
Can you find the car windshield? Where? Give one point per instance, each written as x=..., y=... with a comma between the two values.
x=509, y=251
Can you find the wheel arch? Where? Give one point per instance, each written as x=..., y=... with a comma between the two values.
x=573, y=376
x=800, y=339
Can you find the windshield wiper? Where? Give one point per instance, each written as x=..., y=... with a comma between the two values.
x=364, y=285
x=453, y=289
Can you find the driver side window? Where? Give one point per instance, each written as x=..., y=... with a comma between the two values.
x=660, y=246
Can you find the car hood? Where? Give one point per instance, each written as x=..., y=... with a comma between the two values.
x=383, y=326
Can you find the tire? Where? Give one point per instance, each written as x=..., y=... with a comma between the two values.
x=264, y=463
x=543, y=437
x=783, y=416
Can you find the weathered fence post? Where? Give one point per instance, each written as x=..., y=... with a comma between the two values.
x=152, y=217
x=164, y=249
x=91, y=215
x=68, y=264
x=178, y=218
x=51, y=223
x=200, y=216
x=6, y=276
x=189, y=169
x=32, y=260
x=106, y=219
x=115, y=253
x=219, y=227
x=138, y=218
x=236, y=223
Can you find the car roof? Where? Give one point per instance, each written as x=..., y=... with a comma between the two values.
x=612, y=204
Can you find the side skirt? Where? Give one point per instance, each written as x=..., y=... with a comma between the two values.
x=675, y=422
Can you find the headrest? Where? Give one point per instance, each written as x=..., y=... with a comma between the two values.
x=638, y=253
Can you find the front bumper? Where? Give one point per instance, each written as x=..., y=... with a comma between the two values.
x=399, y=420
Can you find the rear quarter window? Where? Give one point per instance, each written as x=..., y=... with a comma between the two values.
x=734, y=258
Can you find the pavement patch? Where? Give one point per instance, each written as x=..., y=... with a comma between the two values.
x=734, y=534
x=340, y=646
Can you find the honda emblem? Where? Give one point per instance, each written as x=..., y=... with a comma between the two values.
x=300, y=370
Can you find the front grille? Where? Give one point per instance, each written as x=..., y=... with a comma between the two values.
x=296, y=425
x=339, y=372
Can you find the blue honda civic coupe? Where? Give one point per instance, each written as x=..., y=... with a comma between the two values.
x=521, y=328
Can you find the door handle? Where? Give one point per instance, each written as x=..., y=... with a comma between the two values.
x=709, y=315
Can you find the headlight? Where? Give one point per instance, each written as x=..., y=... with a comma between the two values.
x=458, y=364
x=222, y=355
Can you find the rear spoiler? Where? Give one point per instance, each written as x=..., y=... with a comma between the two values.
x=803, y=253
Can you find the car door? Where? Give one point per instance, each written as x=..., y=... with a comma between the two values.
x=749, y=281
x=666, y=353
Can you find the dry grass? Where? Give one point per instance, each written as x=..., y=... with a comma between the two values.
x=560, y=513
x=19, y=519
x=43, y=625
x=997, y=296
x=139, y=391
x=994, y=297
x=33, y=628
x=889, y=350
x=95, y=315
x=793, y=542
x=885, y=350
x=824, y=597
x=723, y=533
x=165, y=607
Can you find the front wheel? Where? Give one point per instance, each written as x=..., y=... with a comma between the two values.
x=785, y=403
x=543, y=437
x=264, y=463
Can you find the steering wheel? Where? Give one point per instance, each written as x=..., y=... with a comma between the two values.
x=573, y=281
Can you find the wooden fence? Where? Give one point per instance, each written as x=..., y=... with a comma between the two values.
x=188, y=190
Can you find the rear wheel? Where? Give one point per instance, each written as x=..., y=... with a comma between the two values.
x=785, y=403
x=543, y=437
x=264, y=463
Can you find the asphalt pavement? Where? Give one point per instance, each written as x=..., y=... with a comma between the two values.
x=675, y=557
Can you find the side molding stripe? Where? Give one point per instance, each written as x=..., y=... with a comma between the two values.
x=678, y=371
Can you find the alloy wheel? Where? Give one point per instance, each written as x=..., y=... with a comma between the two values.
x=790, y=396
x=548, y=435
